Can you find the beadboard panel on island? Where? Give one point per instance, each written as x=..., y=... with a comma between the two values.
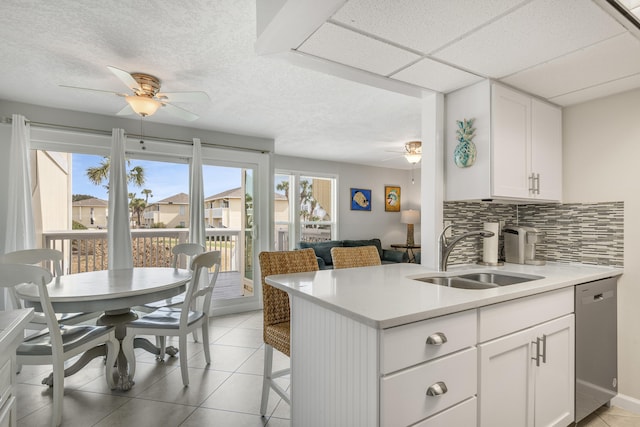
x=587, y=233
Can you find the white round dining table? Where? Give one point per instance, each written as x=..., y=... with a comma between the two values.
x=113, y=292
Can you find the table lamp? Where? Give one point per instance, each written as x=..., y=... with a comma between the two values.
x=410, y=217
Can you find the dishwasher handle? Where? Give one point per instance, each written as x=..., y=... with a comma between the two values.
x=594, y=298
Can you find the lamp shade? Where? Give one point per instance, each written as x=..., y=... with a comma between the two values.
x=143, y=105
x=410, y=216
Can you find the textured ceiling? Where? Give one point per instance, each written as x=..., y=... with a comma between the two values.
x=567, y=51
x=198, y=45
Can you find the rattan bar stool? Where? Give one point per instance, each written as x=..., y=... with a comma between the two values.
x=358, y=256
x=276, y=331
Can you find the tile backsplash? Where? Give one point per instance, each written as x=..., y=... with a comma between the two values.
x=588, y=233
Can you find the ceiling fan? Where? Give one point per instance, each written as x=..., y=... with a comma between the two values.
x=146, y=98
x=412, y=151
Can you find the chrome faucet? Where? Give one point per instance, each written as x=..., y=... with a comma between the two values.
x=444, y=248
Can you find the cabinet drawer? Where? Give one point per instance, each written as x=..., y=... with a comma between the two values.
x=406, y=345
x=5, y=382
x=8, y=413
x=403, y=395
x=460, y=415
x=501, y=319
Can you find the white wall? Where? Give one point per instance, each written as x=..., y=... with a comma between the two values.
x=601, y=152
x=358, y=224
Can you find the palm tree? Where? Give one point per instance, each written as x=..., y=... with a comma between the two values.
x=284, y=186
x=99, y=174
x=147, y=193
x=137, y=206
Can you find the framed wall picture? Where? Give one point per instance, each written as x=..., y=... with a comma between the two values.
x=360, y=199
x=391, y=198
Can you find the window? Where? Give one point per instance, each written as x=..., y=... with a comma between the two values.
x=307, y=214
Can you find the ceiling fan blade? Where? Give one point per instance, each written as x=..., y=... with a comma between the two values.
x=126, y=78
x=94, y=90
x=126, y=111
x=179, y=112
x=197, y=96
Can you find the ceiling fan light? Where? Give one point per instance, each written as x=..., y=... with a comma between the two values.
x=143, y=105
x=413, y=157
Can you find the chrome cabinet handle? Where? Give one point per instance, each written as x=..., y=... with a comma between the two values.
x=538, y=355
x=537, y=183
x=437, y=339
x=532, y=188
x=437, y=389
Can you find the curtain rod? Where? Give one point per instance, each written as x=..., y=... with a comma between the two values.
x=9, y=120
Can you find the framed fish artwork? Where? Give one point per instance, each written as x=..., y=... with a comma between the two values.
x=360, y=199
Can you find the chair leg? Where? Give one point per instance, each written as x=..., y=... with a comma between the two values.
x=195, y=335
x=266, y=379
x=205, y=341
x=161, y=344
x=58, y=391
x=184, y=368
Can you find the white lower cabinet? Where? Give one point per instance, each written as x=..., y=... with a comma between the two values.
x=419, y=392
x=527, y=378
x=461, y=415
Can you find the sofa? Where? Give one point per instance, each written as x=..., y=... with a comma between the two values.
x=323, y=251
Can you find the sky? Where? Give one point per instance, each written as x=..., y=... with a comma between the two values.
x=162, y=178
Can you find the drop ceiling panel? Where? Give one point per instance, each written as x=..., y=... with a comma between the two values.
x=350, y=48
x=602, y=90
x=436, y=76
x=418, y=24
x=606, y=61
x=535, y=33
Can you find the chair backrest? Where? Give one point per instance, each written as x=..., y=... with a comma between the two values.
x=201, y=264
x=44, y=257
x=36, y=256
x=274, y=301
x=358, y=256
x=12, y=275
x=187, y=249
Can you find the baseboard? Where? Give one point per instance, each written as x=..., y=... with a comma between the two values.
x=627, y=403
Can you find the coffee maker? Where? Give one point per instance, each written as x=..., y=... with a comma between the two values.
x=520, y=245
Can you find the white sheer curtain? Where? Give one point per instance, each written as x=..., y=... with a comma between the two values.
x=119, y=233
x=196, y=197
x=20, y=226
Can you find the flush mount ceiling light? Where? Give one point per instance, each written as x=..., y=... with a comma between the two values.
x=413, y=151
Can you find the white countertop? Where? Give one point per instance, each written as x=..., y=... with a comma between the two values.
x=387, y=296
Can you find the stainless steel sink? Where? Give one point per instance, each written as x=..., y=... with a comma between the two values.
x=500, y=279
x=457, y=282
x=484, y=280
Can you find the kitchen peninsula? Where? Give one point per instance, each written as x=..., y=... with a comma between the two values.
x=375, y=347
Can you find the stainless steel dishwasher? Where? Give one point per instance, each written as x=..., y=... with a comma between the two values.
x=596, y=345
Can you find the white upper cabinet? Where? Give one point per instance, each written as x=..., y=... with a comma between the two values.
x=518, y=141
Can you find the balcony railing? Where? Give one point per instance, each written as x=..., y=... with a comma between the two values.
x=86, y=250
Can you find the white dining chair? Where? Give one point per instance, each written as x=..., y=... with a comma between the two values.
x=60, y=342
x=182, y=320
x=183, y=249
x=46, y=258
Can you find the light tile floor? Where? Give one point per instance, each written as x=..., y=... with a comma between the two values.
x=611, y=417
x=225, y=393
